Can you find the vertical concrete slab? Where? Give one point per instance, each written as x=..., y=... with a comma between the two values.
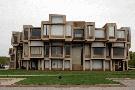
x=27, y=65
x=111, y=65
x=39, y=65
x=90, y=65
x=104, y=65
x=87, y=64
x=42, y=64
x=50, y=67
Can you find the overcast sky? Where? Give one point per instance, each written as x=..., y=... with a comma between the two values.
x=16, y=13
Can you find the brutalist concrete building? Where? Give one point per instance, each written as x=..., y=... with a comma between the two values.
x=70, y=45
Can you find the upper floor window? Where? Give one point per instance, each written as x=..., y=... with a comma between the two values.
x=111, y=31
x=57, y=19
x=26, y=49
x=98, y=50
x=67, y=49
x=57, y=30
x=87, y=50
x=46, y=49
x=46, y=30
x=79, y=33
x=68, y=30
x=15, y=39
x=36, y=32
x=90, y=28
x=26, y=34
x=36, y=50
x=99, y=34
x=120, y=34
x=118, y=51
x=57, y=49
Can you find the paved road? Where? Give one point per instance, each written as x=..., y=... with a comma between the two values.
x=67, y=88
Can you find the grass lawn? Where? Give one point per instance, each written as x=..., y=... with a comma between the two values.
x=68, y=77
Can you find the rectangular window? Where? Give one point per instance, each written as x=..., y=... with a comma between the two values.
x=36, y=32
x=46, y=49
x=87, y=51
x=26, y=34
x=57, y=50
x=111, y=31
x=79, y=33
x=57, y=30
x=68, y=30
x=57, y=19
x=120, y=34
x=15, y=39
x=46, y=30
x=36, y=50
x=90, y=28
x=108, y=49
x=67, y=49
x=99, y=34
x=118, y=51
x=98, y=50
x=26, y=49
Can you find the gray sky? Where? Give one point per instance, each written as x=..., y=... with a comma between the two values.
x=16, y=13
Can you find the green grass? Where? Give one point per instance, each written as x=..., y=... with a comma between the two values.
x=66, y=80
x=68, y=77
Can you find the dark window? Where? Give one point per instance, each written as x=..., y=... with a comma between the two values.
x=67, y=49
x=108, y=49
x=118, y=51
x=25, y=35
x=15, y=39
x=98, y=51
x=47, y=49
x=78, y=33
x=36, y=33
x=57, y=50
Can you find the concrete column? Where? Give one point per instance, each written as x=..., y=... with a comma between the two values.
x=39, y=65
x=103, y=65
x=50, y=65
x=70, y=64
x=123, y=65
x=20, y=64
x=30, y=64
x=15, y=58
x=90, y=65
x=111, y=65
x=27, y=65
x=43, y=64
x=127, y=65
x=63, y=65
x=83, y=65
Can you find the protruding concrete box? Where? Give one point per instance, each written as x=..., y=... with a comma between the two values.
x=15, y=38
x=26, y=32
x=111, y=31
x=90, y=31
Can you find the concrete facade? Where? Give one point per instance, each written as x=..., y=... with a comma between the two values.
x=70, y=45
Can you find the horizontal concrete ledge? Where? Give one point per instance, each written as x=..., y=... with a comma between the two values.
x=66, y=86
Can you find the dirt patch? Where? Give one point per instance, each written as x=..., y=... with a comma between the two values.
x=9, y=81
x=128, y=82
